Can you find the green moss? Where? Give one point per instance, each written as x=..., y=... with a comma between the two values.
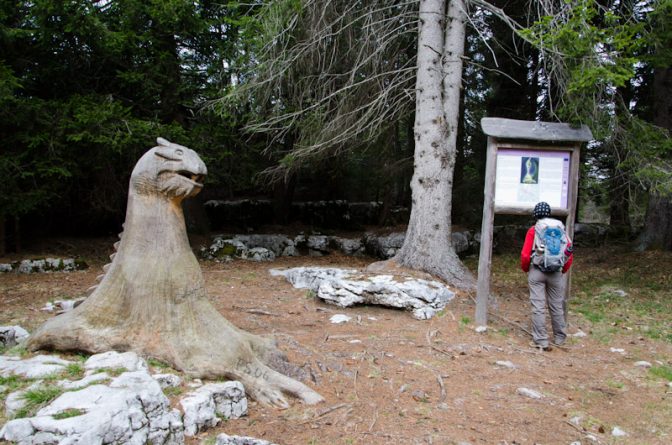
x=226, y=250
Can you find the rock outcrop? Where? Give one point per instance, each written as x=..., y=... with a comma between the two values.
x=347, y=287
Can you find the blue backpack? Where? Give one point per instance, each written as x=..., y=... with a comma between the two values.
x=550, y=245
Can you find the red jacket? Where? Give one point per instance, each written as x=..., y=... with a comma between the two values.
x=526, y=253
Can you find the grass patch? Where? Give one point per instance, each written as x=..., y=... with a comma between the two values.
x=615, y=384
x=12, y=383
x=72, y=412
x=664, y=372
x=114, y=372
x=154, y=363
x=17, y=351
x=36, y=398
x=74, y=370
x=615, y=290
x=173, y=391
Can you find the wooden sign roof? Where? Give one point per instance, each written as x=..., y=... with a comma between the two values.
x=534, y=130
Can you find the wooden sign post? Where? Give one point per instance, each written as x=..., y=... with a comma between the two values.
x=527, y=162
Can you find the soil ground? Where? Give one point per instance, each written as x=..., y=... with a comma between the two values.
x=390, y=379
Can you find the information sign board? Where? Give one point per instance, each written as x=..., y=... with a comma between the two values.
x=525, y=177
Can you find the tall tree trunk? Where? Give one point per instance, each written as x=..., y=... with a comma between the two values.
x=428, y=244
x=657, y=233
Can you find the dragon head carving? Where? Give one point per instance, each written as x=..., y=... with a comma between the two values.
x=169, y=169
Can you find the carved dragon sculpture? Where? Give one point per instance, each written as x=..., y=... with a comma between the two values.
x=152, y=297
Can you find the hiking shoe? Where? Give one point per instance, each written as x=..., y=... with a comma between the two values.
x=540, y=347
x=559, y=342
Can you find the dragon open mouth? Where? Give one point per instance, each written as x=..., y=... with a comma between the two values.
x=192, y=177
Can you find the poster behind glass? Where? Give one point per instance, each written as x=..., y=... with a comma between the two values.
x=525, y=177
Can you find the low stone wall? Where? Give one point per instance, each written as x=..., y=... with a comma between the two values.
x=44, y=265
x=267, y=247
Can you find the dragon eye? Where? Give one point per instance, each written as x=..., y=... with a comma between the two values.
x=179, y=152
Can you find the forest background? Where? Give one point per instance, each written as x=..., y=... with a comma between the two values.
x=87, y=86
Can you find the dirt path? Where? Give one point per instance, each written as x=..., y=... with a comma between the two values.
x=388, y=378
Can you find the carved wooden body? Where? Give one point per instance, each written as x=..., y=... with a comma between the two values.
x=152, y=297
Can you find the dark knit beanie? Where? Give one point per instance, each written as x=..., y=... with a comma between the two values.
x=541, y=210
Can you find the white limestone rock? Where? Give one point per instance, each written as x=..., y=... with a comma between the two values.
x=115, y=360
x=15, y=401
x=348, y=246
x=44, y=265
x=505, y=364
x=339, y=318
x=579, y=334
x=33, y=368
x=202, y=407
x=101, y=377
x=225, y=439
x=384, y=246
x=530, y=393
x=319, y=243
x=168, y=380
x=290, y=251
x=131, y=410
x=258, y=254
x=642, y=364
x=12, y=335
x=346, y=287
x=618, y=432
x=274, y=242
x=257, y=247
x=62, y=305
x=223, y=249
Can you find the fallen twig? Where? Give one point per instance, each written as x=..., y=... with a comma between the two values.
x=324, y=412
x=442, y=398
x=255, y=311
x=375, y=419
x=583, y=431
x=355, y=384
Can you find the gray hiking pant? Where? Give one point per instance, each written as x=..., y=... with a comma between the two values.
x=547, y=289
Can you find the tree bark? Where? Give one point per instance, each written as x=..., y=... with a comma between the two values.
x=428, y=246
x=657, y=232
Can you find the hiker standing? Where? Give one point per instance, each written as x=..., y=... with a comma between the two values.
x=546, y=255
